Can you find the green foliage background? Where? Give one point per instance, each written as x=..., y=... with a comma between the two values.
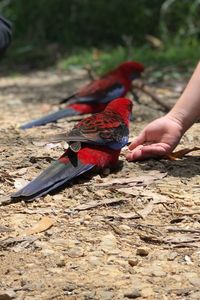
x=51, y=27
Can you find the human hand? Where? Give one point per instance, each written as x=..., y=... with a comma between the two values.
x=158, y=138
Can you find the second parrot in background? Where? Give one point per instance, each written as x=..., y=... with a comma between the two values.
x=93, y=97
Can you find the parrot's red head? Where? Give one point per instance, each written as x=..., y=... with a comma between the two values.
x=131, y=69
x=121, y=106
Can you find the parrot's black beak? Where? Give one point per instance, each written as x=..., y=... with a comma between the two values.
x=134, y=75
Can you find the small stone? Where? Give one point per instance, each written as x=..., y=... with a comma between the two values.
x=87, y=218
x=58, y=197
x=172, y=256
x=94, y=260
x=60, y=262
x=124, y=228
x=156, y=271
x=89, y=295
x=105, y=295
x=188, y=260
x=69, y=287
x=133, y=261
x=109, y=244
x=147, y=292
x=195, y=281
x=55, y=270
x=142, y=251
x=22, y=171
x=133, y=295
x=7, y=295
x=47, y=252
x=75, y=252
x=193, y=278
x=72, y=298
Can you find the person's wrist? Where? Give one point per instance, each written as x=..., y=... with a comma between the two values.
x=179, y=119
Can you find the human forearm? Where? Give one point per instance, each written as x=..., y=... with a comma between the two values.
x=187, y=109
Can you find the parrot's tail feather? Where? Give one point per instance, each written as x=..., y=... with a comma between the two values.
x=60, y=114
x=54, y=176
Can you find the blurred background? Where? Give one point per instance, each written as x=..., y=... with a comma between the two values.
x=102, y=33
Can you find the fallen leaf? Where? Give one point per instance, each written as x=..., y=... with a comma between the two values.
x=44, y=224
x=181, y=153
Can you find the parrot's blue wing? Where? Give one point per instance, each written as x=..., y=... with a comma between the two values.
x=53, y=117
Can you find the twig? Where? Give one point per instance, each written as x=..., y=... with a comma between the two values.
x=187, y=213
x=151, y=239
x=115, y=228
x=92, y=76
x=174, y=229
x=155, y=98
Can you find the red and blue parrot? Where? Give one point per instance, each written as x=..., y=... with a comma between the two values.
x=93, y=97
x=95, y=142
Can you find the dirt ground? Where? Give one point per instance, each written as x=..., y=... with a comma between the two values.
x=132, y=233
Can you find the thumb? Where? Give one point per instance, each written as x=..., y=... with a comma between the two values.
x=139, y=140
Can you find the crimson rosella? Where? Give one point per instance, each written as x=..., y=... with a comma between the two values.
x=93, y=97
x=95, y=142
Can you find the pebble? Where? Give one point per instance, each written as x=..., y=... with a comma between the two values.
x=172, y=256
x=142, y=251
x=60, y=261
x=7, y=295
x=69, y=287
x=105, y=295
x=47, y=252
x=55, y=270
x=58, y=197
x=87, y=218
x=193, y=278
x=133, y=261
x=147, y=292
x=157, y=271
x=75, y=252
x=94, y=260
x=124, y=228
x=133, y=294
x=89, y=295
x=109, y=244
x=188, y=260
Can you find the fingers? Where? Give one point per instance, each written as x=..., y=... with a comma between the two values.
x=134, y=155
x=144, y=152
x=139, y=140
